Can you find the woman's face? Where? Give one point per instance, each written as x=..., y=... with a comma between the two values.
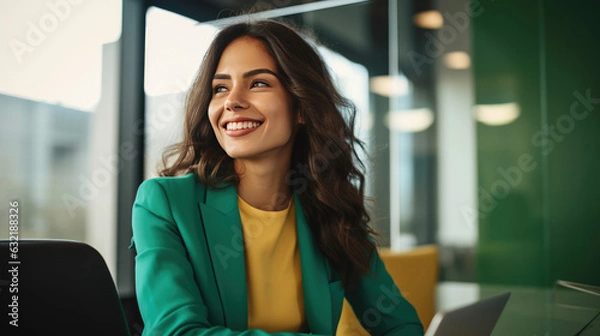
x=250, y=110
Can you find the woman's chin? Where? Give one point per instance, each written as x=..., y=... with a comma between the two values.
x=242, y=154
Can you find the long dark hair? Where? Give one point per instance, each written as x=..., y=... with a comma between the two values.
x=326, y=171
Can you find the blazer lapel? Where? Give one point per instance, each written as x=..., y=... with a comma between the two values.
x=223, y=230
x=315, y=282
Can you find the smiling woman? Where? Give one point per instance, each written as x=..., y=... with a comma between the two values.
x=258, y=223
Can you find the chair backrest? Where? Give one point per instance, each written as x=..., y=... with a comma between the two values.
x=57, y=287
x=415, y=272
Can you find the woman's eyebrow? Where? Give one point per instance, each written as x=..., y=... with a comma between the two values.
x=247, y=74
x=259, y=71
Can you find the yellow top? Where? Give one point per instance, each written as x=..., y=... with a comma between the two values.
x=273, y=274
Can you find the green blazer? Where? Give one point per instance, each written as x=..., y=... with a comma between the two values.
x=191, y=275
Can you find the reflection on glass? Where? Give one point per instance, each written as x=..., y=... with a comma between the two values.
x=575, y=306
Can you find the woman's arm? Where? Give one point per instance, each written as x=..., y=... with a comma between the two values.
x=168, y=297
x=379, y=305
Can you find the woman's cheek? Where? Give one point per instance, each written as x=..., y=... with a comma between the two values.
x=213, y=117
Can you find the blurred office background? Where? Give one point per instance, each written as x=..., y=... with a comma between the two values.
x=481, y=121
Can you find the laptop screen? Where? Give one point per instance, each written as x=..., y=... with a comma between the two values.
x=477, y=319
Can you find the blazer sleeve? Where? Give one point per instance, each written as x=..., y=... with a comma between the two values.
x=379, y=305
x=169, y=300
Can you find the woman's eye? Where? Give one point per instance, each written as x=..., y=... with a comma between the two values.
x=259, y=84
x=218, y=89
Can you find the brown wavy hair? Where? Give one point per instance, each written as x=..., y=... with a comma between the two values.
x=326, y=172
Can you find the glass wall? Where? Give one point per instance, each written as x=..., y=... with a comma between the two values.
x=58, y=108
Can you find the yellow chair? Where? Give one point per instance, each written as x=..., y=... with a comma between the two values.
x=415, y=273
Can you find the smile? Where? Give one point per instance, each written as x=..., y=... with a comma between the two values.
x=235, y=126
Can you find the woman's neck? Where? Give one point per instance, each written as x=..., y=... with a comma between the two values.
x=263, y=186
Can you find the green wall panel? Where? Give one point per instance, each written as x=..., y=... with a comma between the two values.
x=572, y=52
x=538, y=176
x=506, y=67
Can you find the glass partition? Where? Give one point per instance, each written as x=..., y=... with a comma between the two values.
x=58, y=111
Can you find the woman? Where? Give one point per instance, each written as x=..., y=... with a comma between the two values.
x=257, y=225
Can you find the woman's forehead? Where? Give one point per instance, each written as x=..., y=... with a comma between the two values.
x=245, y=53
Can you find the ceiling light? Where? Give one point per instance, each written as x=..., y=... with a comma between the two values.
x=457, y=60
x=430, y=19
x=497, y=114
x=416, y=120
x=390, y=86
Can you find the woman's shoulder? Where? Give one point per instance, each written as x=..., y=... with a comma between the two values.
x=173, y=181
x=171, y=186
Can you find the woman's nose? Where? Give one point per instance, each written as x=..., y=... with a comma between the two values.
x=236, y=99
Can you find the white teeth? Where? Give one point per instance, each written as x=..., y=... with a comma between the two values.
x=233, y=126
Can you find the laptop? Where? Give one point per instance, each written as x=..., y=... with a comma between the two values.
x=477, y=319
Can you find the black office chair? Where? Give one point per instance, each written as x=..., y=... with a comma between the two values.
x=64, y=288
